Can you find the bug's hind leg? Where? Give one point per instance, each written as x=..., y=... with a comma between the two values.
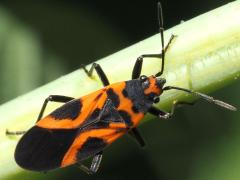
x=96, y=161
x=134, y=133
x=166, y=115
x=99, y=71
x=16, y=133
x=54, y=98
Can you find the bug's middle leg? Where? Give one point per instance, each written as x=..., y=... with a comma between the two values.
x=134, y=133
x=99, y=71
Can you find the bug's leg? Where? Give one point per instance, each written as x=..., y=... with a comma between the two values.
x=54, y=98
x=16, y=133
x=138, y=65
x=158, y=113
x=96, y=161
x=166, y=115
x=99, y=71
x=134, y=132
x=203, y=96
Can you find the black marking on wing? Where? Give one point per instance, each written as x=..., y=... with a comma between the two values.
x=110, y=114
x=126, y=117
x=95, y=114
x=135, y=109
x=101, y=118
x=92, y=146
x=125, y=93
x=92, y=121
x=43, y=149
x=113, y=96
x=70, y=110
x=98, y=96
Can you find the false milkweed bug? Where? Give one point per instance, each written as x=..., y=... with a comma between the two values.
x=84, y=127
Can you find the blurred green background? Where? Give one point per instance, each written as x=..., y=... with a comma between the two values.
x=40, y=41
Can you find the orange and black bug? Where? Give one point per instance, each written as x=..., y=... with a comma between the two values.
x=84, y=127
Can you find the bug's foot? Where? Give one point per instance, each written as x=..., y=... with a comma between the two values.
x=165, y=116
x=14, y=132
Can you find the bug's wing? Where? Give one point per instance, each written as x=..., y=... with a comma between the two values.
x=95, y=137
x=43, y=149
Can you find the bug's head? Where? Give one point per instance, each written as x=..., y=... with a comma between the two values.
x=152, y=87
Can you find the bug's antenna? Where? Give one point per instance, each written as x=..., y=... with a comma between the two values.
x=161, y=30
x=203, y=96
x=160, y=23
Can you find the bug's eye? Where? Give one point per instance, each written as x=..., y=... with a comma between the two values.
x=156, y=99
x=145, y=82
x=143, y=78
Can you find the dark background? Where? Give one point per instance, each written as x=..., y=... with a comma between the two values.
x=200, y=142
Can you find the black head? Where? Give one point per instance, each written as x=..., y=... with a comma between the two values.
x=143, y=92
x=152, y=85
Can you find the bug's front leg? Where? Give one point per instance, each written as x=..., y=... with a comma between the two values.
x=138, y=64
x=99, y=71
x=166, y=115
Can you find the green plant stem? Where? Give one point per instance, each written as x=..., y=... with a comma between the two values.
x=205, y=56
